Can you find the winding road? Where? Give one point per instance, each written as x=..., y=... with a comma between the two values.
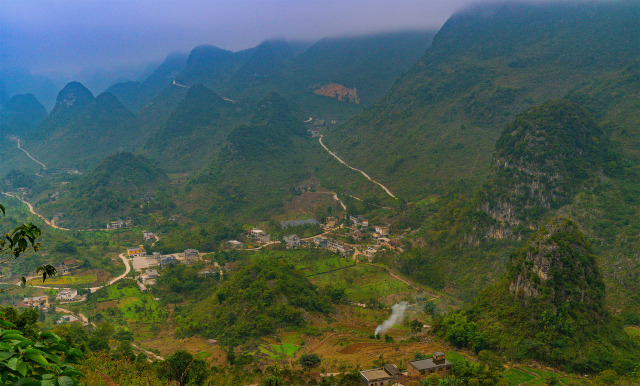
x=29, y=155
x=356, y=169
x=35, y=213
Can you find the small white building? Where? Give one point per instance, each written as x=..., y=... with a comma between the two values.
x=235, y=244
x=67, y=294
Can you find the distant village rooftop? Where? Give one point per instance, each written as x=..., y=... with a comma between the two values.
x=295, y=223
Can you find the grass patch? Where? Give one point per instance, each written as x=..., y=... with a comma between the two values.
x=290, y=349
x=515, y=376
x=70, y=280
x=633, y=332
x=363, y=283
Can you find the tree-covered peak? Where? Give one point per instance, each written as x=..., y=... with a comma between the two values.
x=74, y=94
x=557, y=265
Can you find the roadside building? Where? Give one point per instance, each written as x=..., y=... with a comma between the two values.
x=331, y=222
x=136, y=252
x=191, y=253
x=260, y=235
x=386, y=375
x=68, y=319
x=167, y=260
x=35, y=301
x=235, y=244
x=292, y=241
x=67, y=294
x=320, y=242
x=296, y=223
x=435, y=365
x=382, y=230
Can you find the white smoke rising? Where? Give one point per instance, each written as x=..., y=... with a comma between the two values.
x=397, y=315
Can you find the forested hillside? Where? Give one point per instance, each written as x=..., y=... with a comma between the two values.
x=549, y=306
x=195, y=131
x=21, y=113
x=123, y=186
x=439, y=123
x=258, y=168
x=82, y=130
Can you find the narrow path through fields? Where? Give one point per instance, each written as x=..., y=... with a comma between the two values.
x=356, y=169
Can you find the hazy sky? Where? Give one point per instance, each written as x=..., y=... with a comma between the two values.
x=69, y=35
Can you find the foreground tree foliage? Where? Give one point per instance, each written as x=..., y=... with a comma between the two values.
x=43, y=359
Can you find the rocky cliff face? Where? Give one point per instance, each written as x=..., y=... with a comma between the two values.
x=557, y=265
x=542, y=158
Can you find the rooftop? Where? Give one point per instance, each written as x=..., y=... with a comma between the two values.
x=375, y=374
x=429, y=363
x=296, y=223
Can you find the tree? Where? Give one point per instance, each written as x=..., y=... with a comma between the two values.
x=45, y=359
x=309, y=361
x=19, y=241
x=416, y=326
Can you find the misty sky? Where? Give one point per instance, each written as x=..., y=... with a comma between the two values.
x=68, y=35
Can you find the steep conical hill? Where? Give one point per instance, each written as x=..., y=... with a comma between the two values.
x=549, y=306
x=135, y=95
x=122, y=186
x=195, y=131
x=439, y=123
x=261, y=163
x=542, y=158
x=83, y=130
x=21, y=113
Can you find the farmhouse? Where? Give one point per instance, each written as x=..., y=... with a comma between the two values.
x=235, y=244
x=292, y=241
x=148, y=236
x=296, y=223
x=136, y=252
x=35, y=301
x=382, y=230
x=331, y=222
x=260, y=235
x=191, y=253
x=386, y=375
x=67, y=294
x=437, y=365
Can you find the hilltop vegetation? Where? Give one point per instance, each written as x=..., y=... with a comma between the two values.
x=264, y=295
x=437, y=126
x=542, y=159
x=82, y=130
x=21, y=113
x=195, y=131
x=549, y=306
x=122, y=186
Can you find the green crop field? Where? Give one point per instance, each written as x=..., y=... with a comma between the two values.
x=363, y=282
x=70, y=280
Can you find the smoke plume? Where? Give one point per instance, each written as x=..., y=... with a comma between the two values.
x=397, y=315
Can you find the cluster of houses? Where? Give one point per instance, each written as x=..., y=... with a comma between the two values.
x=145, y=263
x=419, y=369
x=64, y=295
